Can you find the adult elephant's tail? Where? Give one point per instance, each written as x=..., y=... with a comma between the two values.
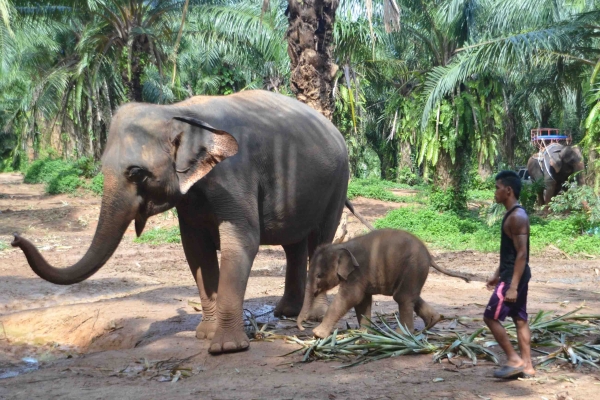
x=358, y=215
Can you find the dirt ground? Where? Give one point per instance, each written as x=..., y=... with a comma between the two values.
x=92, y=340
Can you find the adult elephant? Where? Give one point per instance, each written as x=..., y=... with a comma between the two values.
x=554, y=166
x=282, y=179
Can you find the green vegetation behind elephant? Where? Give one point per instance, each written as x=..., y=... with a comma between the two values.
x=242, y=170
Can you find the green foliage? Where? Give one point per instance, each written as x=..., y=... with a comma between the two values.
x=445, y=230
x=3, y=246
x=579, y=201
x=375, y=189
x=408, y=177
x=158, y=236
x=97, y=184
x=88, y=166
x=448, y=230
x=452, y=199
x=64, y=182
x=528, y=196
x=476, y=182
x=480, y=195
x=62, y=176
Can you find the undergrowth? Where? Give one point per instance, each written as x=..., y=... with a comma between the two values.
x=451, y=231
x=64, y=176
x=160, y=236
x=380, y=190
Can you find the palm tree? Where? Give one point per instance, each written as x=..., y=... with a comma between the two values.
x=540, y=47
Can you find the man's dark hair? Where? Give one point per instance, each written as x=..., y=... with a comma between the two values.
x=510, y=178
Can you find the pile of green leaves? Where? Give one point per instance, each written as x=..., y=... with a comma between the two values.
x=381, y=340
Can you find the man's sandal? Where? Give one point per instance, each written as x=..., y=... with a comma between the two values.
x=508, y=372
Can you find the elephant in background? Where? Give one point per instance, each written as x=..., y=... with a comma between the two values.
x=242, y=170
x=554, y=166
x=387, y=261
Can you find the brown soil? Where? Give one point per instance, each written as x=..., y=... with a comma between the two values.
x=93, y=339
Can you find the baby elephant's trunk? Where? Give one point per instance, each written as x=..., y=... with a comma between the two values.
x=309, y=298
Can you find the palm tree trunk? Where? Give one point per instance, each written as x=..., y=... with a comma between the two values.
x=510, y=134
x=310, y=48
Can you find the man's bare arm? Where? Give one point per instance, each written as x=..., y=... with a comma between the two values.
x=518, y=227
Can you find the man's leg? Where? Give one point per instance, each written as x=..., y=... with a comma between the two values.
x=513, y=359
x=524, y=340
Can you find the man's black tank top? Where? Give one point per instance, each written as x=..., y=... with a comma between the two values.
x=508, y=254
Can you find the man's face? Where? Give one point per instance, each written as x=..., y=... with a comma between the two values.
x=502, y=192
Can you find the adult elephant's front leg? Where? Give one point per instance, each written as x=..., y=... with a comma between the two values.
x=239, y=245
x=201, y=255
x=552, y=189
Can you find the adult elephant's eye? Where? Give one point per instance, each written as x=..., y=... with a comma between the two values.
x=136, y=174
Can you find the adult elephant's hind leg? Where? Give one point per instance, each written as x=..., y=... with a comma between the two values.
x=295, y=279
x=239, y=245
x=201, y=255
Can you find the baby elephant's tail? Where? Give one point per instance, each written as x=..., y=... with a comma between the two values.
x=358, y=215
x=445, y=271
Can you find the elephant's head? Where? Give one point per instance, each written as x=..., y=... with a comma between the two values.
x=153, y=155
x=567, y=160
x=330, y=266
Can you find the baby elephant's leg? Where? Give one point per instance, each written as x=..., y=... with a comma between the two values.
x=405, y=308
x=343, y=301
x=427, y=313
x=364, y=309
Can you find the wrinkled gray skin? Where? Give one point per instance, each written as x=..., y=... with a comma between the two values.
x=562, y=162
x=388, y=261
x=242, y=170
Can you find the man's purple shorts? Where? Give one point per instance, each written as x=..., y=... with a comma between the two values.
x=498, y=308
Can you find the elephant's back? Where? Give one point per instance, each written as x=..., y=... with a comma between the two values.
x=265, y=116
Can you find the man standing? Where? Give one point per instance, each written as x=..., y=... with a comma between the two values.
x=511, y=279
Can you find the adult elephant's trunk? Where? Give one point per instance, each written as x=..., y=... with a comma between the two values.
x=579, y=177
x=309, y=298
x=112, y=224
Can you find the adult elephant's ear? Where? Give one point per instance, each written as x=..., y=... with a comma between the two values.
x=556, y=159
x=197, y=148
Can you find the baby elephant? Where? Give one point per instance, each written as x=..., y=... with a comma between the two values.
x=388, y=261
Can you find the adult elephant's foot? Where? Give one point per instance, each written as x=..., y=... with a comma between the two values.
x=288, y=306
x=206, y=328
x=229, y=341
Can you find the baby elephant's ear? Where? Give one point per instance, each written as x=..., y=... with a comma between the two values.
x=346, y=263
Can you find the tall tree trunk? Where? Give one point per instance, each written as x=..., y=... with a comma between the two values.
x=443, y=177
x=310, y=48
x=133, y=79
x=510, y=133
x=404, y=160
x=485, y=169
